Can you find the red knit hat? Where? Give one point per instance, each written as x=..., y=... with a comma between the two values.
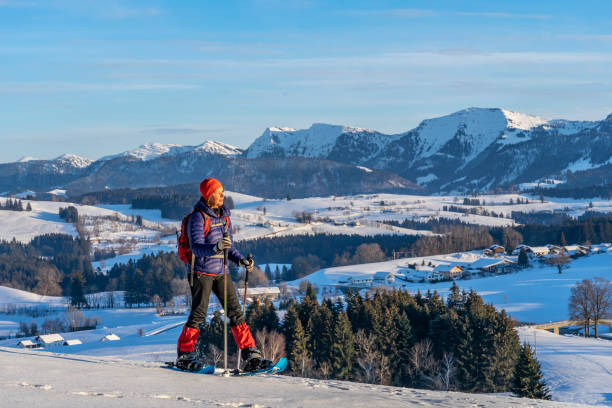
x=209, y=186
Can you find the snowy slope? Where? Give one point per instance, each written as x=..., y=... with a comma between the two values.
x=575, y=368
x=31, y=379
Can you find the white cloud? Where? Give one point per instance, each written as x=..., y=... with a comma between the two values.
x=504, y=15
x=27, y=87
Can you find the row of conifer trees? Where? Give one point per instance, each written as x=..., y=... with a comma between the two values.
x=396, y=338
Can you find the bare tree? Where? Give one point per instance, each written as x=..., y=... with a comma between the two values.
x=384, y=370
x=448, y=370
x=580, y=304
x=422, y=363
x=215, y=354
x=601, y=300
x=156, y=300
x=74, y=318
x=369, y=357
x=271, y=343
x=561, y=262
x=276, y=345
x=325, y=370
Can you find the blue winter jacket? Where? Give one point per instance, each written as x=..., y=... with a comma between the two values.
x=207, y=261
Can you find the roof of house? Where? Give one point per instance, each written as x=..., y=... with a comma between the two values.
x=487, y=262
x=72, y=342
x=110, y=337
x=26, y=343
x=271, y=290
x=447, y=267
x=381, y=275
x=50, y=338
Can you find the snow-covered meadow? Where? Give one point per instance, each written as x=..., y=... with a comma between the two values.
x=114, y=226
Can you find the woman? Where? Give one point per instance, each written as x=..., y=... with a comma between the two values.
x=210, y=234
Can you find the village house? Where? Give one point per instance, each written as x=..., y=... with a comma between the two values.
x=47, y=340
x=272, y=293
x=531, y=250
x=110, y=337
x=493, y=265
x=360, y=282
x=576, y=251
x=383, y=278
x=434, y=276
x=73, y=342
x=27, y=344
x=449, y=271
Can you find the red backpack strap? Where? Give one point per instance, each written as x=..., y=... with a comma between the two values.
x=227, y=223
x=206, y=223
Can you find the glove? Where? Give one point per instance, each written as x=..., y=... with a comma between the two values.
x=225, y=243
x=248, y=264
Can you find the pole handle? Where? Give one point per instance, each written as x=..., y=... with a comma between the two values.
x=246, y=272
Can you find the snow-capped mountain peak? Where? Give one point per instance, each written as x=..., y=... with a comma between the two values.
x=316, y=141
x=72, y=160
x=148, y=151
x=151, y=151
x=212, y=146
x=26, y=159
x=523, y=121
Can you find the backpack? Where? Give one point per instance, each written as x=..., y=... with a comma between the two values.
x=184, y=250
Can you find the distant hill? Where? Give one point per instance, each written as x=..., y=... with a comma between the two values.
x=472, y=150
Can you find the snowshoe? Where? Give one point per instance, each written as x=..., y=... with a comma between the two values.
x=188, y=361
x=253, y=360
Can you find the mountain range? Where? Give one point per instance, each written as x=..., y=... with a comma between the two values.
x=475, y=149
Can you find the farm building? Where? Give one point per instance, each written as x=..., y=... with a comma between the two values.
x=46, y=340
x=27, y=344
x=383, y=278
x=272, y=293
x=110, y=337
x=493, y=265
x=449, y=271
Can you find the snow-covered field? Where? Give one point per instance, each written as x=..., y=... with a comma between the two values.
x=41, y=378
x=576, y=369
x=113, y=226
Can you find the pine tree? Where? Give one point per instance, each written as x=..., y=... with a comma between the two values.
x=562, y=240
x=268, y=272
x=343, y=349
x=528, y=378
x=77, y=290
x=299, y=359
x=523, y=259
x=320, y=330
x=29, y=207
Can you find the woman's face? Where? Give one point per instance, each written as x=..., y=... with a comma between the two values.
x=216, y=198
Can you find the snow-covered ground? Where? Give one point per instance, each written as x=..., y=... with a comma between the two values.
x=578, y=370
x=575, y=368
x=41, y=378
x=113, y=226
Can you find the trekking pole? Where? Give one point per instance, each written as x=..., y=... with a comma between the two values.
x=225, y=371
x=246, y=285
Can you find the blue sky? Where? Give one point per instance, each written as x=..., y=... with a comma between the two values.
x=99, y=77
